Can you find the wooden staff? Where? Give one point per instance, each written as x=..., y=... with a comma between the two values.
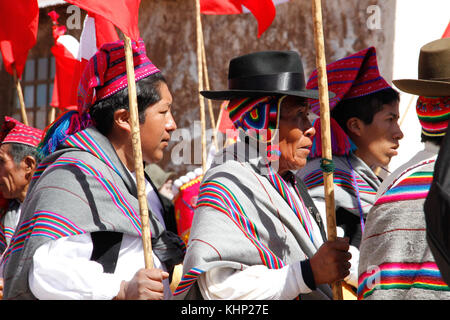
x=137, y=152
x=200, y=83
x=325, y=130
x=51, y=115
x=407, y=109
x=20, y=94
x=207, y=87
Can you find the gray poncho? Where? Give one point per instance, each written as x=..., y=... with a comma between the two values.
x=8, y=224
x=355, y=187
x=395, y=261
x=242, y=220
x=83, y=187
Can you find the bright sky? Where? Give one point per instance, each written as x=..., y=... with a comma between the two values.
x=417, y=23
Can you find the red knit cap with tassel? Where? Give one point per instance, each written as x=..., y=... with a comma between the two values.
x=354, y=76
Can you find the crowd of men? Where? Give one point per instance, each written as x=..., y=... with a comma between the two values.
x=70, y=225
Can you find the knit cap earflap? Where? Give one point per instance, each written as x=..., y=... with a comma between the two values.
x=256, y=117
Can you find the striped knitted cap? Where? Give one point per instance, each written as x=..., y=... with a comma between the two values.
x=104, y=75
x=257, y=117
x=354, y=76
x=14, y=131
x=434, y=115
x=106, y=72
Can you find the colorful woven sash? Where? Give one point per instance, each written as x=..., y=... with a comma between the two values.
x=341, y=178
x=296, y=203
x=3, y=236
x=54, y=226
x=424, y=275
x=216, y=195
x=415, y=186
x=43, y=223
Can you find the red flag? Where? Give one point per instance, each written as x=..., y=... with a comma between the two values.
x=263, y=10
x=122, y=13
x=224, y=121
x=18, y=31
x=447, y=32
x=226, y=126
x=65, y=51
x=71, y=56
x=220, y=6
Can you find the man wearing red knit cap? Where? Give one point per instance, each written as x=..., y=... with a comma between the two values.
x=80, y=233
x=18, y=161
x=364, y=136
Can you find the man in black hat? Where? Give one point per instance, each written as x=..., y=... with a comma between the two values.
x=256, y=233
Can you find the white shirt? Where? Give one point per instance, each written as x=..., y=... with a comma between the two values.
x=257, y=282
x=62, y=269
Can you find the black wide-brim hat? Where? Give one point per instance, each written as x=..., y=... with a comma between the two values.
x=265, y=73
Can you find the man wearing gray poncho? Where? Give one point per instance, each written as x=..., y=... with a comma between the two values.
x=397, y=262
x=365, y=135
x=79, y=236
x=254, y=234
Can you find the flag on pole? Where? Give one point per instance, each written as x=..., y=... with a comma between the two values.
x=65, y=51
x=122, y=13
x=18, y=32
x=263, y=10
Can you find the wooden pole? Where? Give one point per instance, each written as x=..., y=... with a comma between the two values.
x=406, y=110
x=200, y=83
x=51, y=115
x=137, y=152
x=20, y=94
x=325, y=130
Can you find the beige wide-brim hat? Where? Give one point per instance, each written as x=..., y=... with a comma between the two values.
x=434, y=71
